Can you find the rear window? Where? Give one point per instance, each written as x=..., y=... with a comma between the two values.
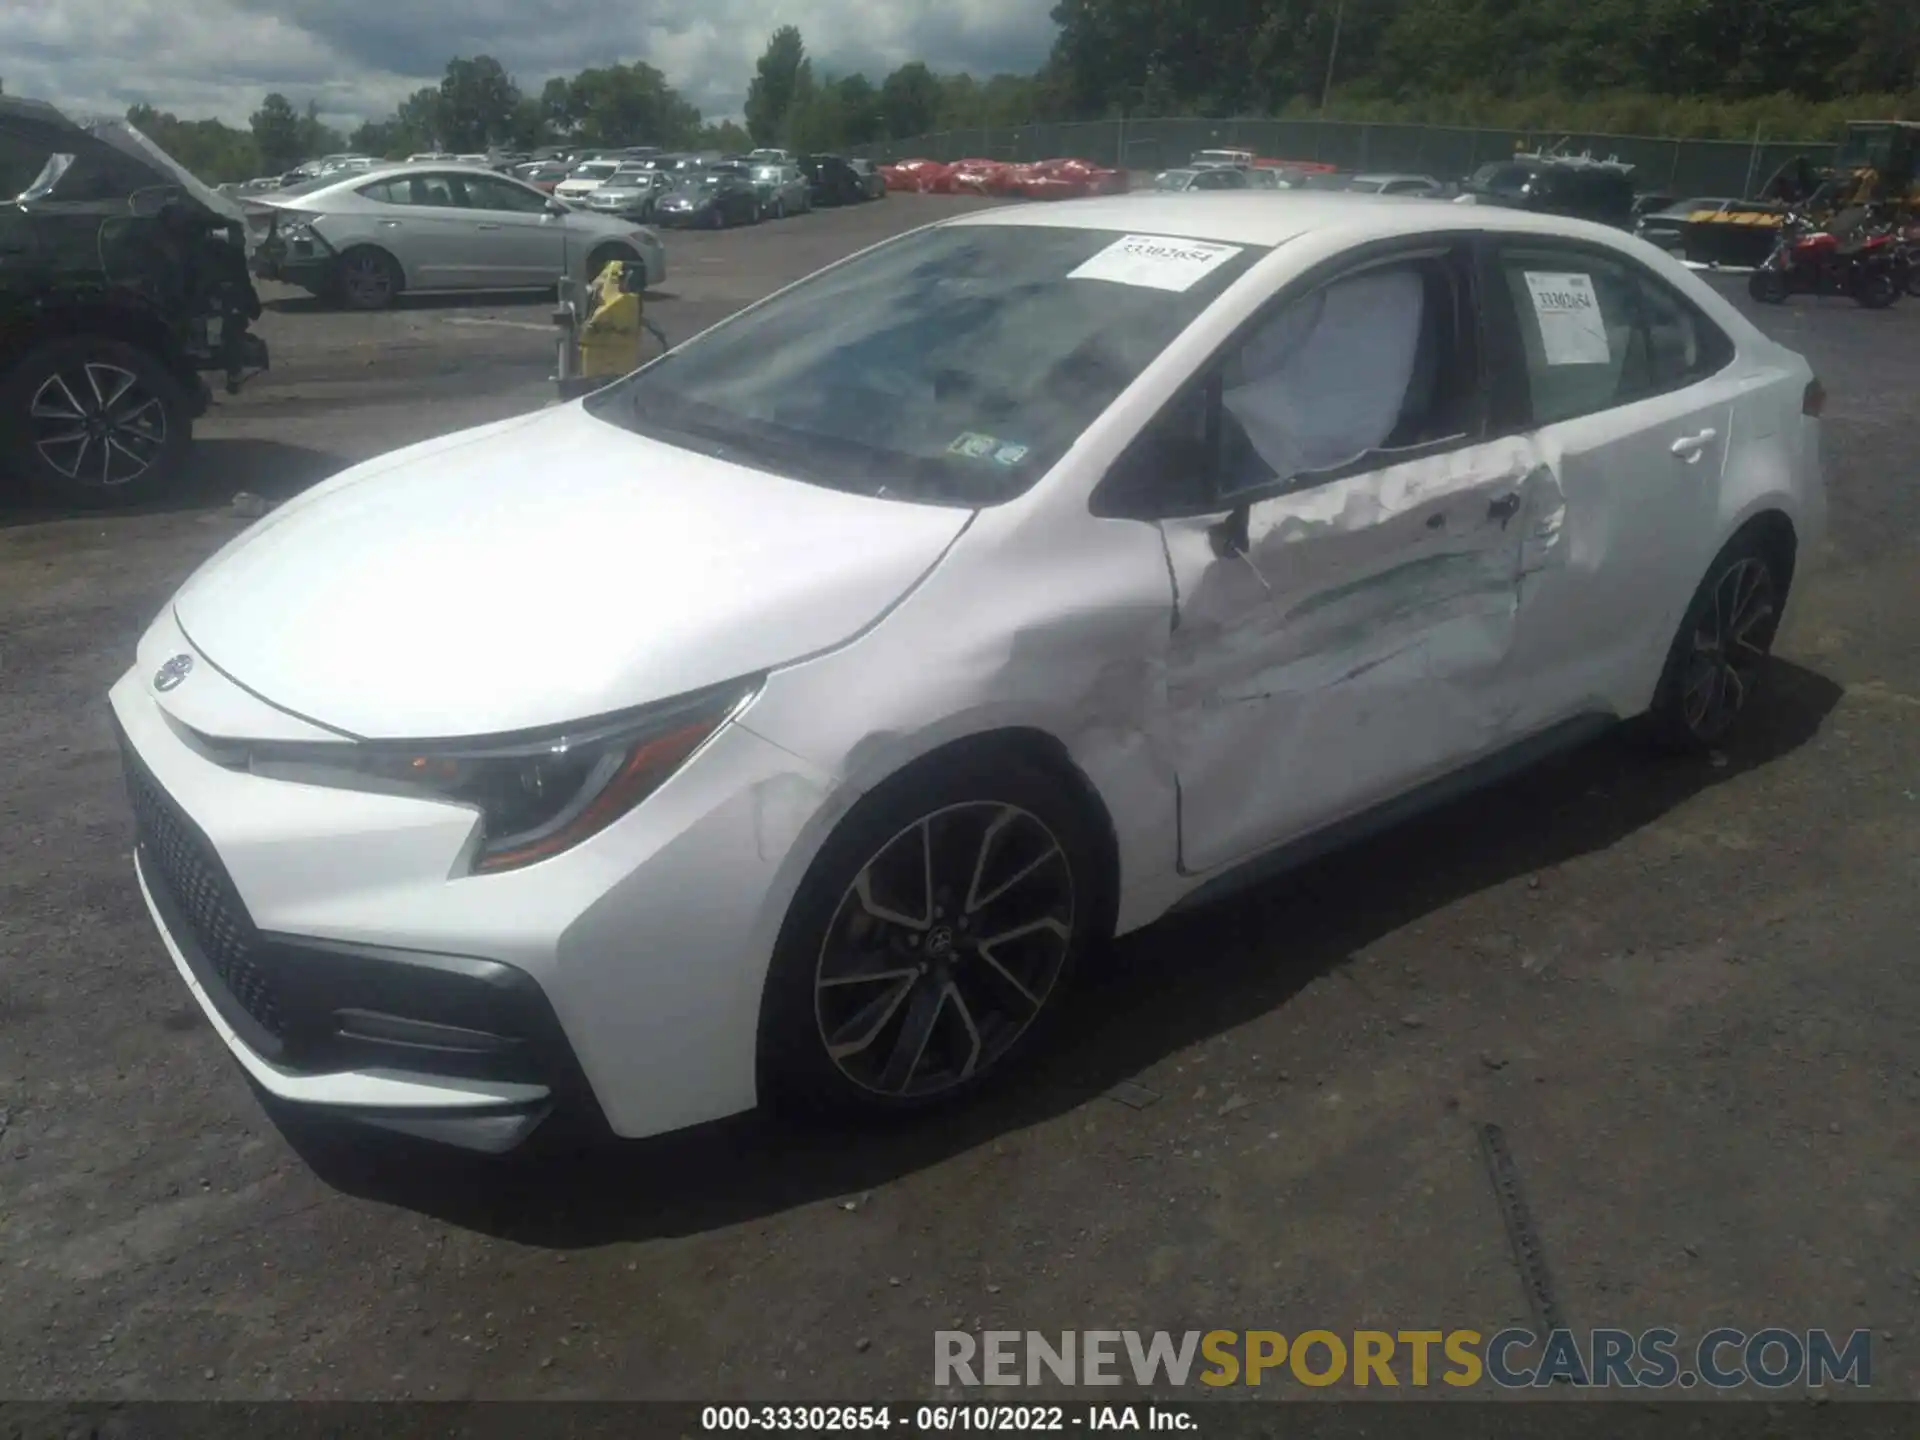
x=952, y=365
x=1501, y=179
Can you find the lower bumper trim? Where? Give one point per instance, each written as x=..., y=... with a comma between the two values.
x=486, y=1134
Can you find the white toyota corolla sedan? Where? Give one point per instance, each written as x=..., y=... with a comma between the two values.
x=786, y=720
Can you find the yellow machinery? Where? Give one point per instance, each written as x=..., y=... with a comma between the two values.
x=603, y=329
x=1877, y=165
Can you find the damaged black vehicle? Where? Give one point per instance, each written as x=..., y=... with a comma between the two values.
x=122, y=279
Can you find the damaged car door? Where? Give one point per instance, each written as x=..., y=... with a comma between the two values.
x=1347, y=575
x=1626, y=390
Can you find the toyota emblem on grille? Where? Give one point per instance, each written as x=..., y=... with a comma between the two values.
x=169, y=675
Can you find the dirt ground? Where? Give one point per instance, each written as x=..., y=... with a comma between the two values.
x=1686, y=992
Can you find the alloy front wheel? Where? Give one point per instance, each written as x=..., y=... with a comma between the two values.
x=943, y=950
x=935, y=935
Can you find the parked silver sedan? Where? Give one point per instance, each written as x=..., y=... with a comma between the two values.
x=365, y=238
x=782, y=189
x=633, y=191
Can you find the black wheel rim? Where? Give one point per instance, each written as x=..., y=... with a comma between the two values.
x=944, y=950
x=97, y=425
x=1730, y=645
x=368, y=280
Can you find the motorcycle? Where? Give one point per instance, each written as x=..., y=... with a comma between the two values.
x=1871, y=266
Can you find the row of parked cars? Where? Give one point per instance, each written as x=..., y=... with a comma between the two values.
x=709, y=190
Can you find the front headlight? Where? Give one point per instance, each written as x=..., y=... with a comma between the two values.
x=537, y=795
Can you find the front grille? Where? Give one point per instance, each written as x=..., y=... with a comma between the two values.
x=182, y=863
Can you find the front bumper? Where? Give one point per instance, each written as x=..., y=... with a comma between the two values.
x=448, y=1047
x=339, y=948
x=675, y=219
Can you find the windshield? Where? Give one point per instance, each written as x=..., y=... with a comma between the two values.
x=1367, y=187
x=598, y=171
x=953, y=365
x=1172, y=179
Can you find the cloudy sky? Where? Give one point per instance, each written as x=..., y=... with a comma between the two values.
x=358, y=57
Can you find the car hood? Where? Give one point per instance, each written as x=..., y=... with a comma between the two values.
x=543, y=570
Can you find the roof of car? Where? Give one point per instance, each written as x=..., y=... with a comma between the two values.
x=1247, y=217
x=1387, y=177
x=401, y=169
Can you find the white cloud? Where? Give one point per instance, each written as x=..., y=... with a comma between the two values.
x=357, y=58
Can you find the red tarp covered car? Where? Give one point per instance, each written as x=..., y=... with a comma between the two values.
x=912, y=174
x=1067, y=179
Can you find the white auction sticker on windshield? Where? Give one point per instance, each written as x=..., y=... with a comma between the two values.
x=1157, y=262
x=1572, y=329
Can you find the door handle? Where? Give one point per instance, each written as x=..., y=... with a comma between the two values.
x=389, y=224
x=1504, y=508
x=486, y=227
x=1690, y=447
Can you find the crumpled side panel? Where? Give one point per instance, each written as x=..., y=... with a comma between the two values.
x=1353, y=648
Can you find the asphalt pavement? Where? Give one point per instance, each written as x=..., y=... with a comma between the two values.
x=1685, y=990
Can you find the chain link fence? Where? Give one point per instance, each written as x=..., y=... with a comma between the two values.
x=1691, y=167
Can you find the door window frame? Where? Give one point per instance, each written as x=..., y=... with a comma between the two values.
x=1115, y=498
x=1511, y=385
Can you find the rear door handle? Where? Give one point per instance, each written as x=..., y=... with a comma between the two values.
x=1690, y=447
x=389, y=224
x=487, y=227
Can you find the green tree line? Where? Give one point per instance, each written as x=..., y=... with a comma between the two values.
x=1698, y=68
x=1711, y=69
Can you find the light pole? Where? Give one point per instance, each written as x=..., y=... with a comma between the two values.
x=1333, y=54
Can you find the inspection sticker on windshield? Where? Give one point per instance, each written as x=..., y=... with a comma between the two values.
x=974, y=447
x=1572, y=330
x=1157, y=262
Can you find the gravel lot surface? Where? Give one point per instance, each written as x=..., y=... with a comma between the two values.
x=1686, y=992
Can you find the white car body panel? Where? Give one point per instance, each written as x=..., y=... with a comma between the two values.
x=322, y=642
x=1210, y=713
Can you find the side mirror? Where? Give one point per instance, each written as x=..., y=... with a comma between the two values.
x=556, y=207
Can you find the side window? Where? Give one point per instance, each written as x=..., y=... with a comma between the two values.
x=485, y=194
x=1579, y=318
x=387, y=192
x=435, y=191
x=1683, y=346
x=1374, y=362
x=22, y=158
x=1377, y=361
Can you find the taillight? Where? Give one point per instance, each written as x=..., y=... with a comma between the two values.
x=1814, y=402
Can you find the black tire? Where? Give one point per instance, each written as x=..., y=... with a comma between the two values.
x=1875, y=288
x=605, y=256
x=113, y=391
x=1720, y=655
x=1767, y=286
x=780, y=209
x=953, y=806
x=368, y=279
